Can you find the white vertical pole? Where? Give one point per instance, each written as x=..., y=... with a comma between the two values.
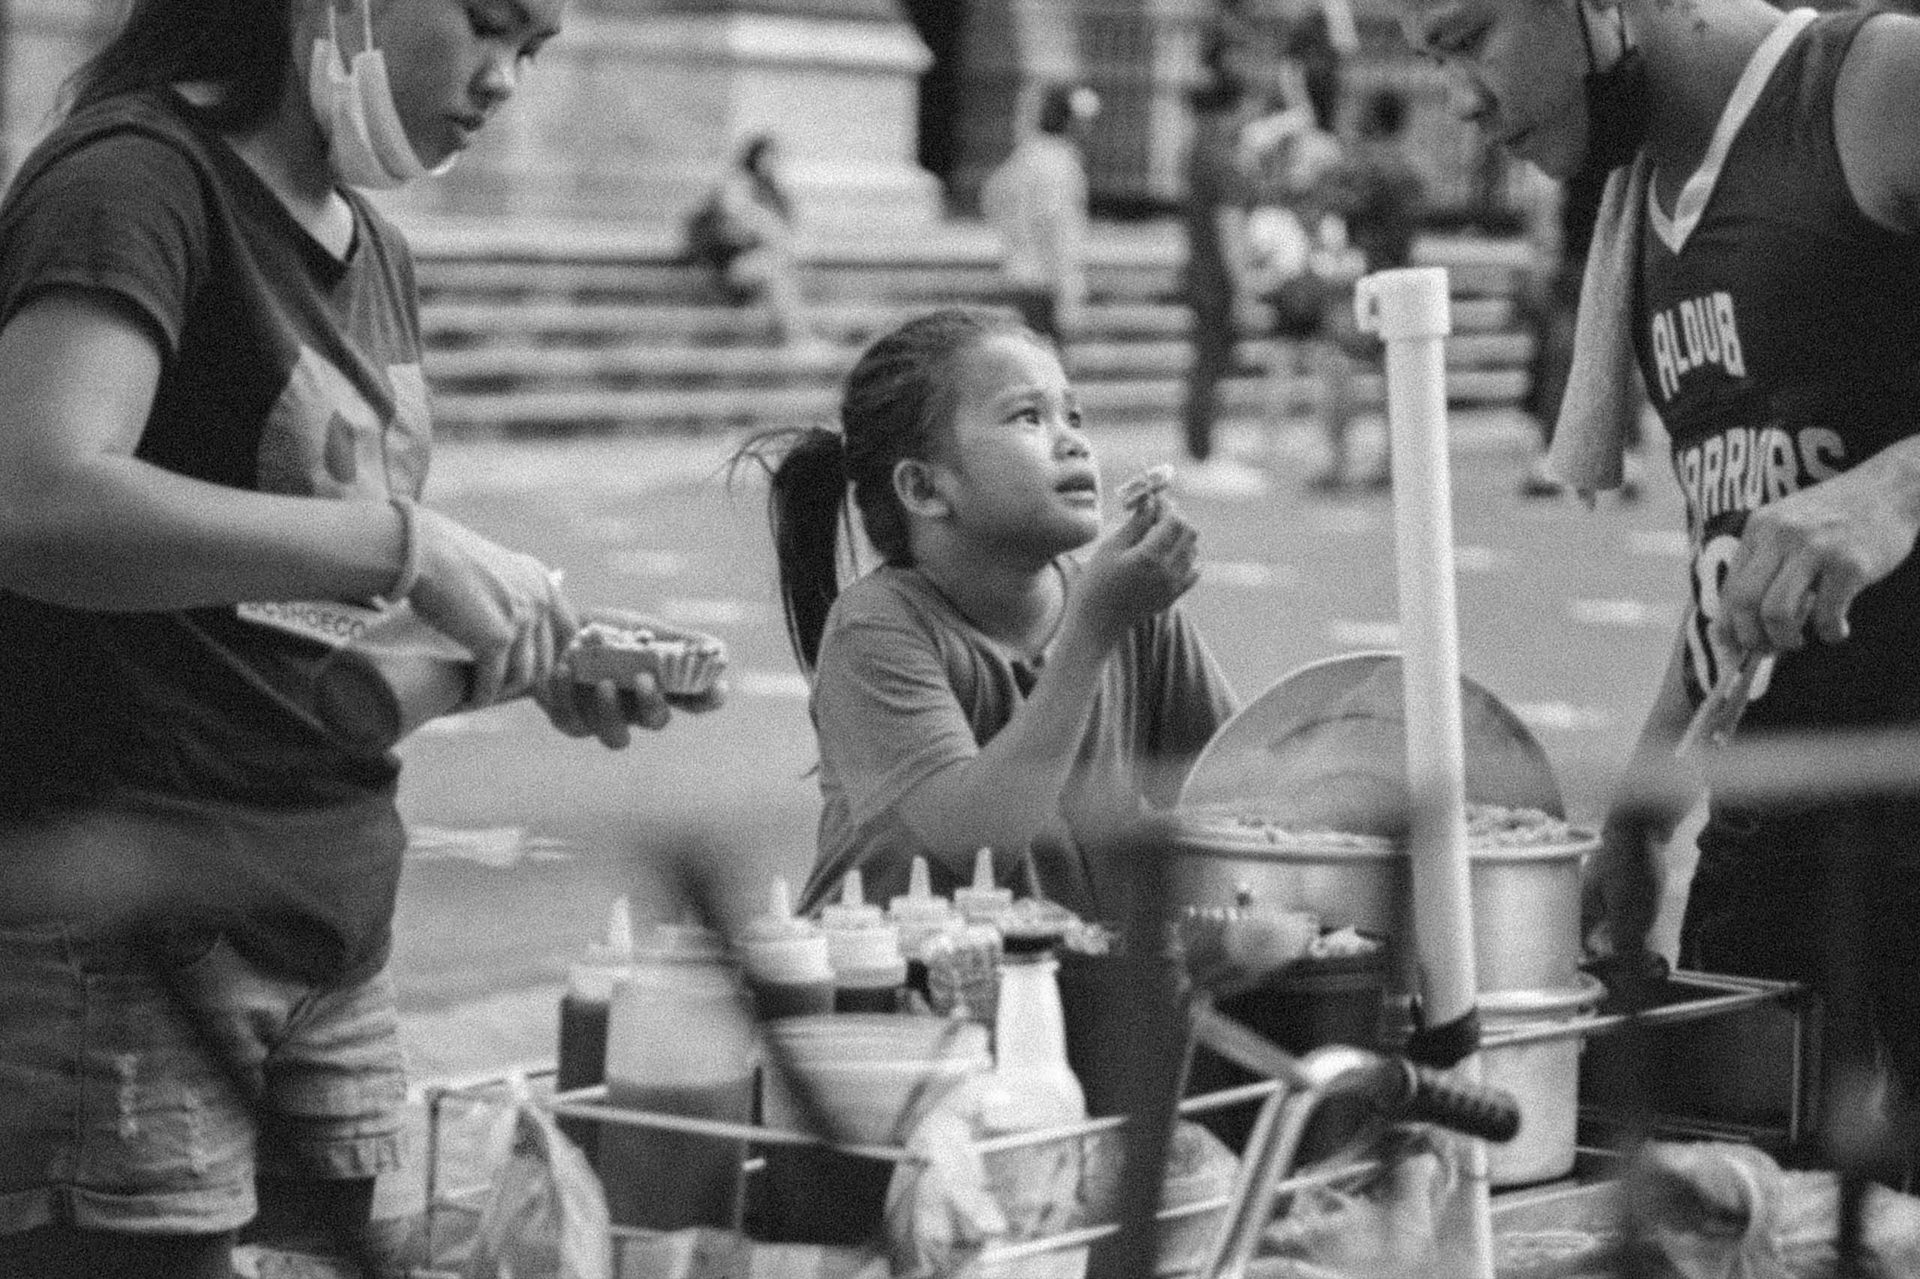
x=1409, y=310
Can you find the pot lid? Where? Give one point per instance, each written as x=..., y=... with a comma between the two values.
x=1325, y=747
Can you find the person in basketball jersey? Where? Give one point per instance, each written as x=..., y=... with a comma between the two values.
x=1772, y=319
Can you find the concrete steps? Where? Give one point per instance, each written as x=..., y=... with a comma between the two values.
x=535, y=334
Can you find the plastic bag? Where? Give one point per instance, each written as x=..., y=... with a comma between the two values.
x=1403, y=1222
x=1715, y=1210
x=547, y=1216
x=940, y=1212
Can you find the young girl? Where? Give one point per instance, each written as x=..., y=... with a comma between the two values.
x=213, y=427
x=983, y=687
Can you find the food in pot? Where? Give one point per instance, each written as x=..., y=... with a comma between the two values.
x=1488, y=826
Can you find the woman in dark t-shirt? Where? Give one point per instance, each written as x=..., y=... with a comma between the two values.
x=213, y=429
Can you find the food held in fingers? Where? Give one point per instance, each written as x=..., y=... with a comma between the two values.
x=1148, y=484
x=684, y=665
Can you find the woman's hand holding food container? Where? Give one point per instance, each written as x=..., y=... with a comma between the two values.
x=502, y=606
x=622, y=669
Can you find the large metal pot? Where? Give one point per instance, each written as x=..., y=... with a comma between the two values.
x=1526, y=897
x=1324, y=749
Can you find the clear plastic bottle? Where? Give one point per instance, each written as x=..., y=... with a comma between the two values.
x=678, y=1042
x=788, y=963
x=1033, y=1087
x=869, y=972
x=584, y=1012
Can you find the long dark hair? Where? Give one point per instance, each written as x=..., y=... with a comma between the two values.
x=244, y=47
x=897, y=403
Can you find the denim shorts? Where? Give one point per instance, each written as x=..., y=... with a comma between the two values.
x=144, y=1084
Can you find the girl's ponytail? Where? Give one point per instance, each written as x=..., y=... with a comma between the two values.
x=806, y=508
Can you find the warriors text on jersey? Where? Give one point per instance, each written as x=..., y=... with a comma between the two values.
x=1779, y=339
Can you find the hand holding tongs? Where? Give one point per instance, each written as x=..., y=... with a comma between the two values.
x=1713, y=723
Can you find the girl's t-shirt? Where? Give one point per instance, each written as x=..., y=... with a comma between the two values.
x=907, y=687
x=232, y=753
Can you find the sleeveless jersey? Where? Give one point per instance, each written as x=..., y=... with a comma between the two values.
x=1779, y=338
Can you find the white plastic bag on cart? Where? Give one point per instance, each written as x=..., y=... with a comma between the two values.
x=1405, y=1221
x=547, y=1216
x=1718, y=1210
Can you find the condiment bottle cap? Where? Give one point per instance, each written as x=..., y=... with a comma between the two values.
x=617, y=949
x=686, y=941
x=919, y=908
x=780, y=946
x=779, y=923
x=593, y=974
x=858, y=935
x=852, y=910
x=982, y=901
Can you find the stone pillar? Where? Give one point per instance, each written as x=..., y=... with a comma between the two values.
x=1010, y=48
x=630, y=114
x=1141, y=55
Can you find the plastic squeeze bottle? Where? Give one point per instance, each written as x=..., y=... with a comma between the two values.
x=869, y=971
x=583, y=1017
x=982, y=902
x=1033, y=1087
x=679, y=1042
x=788, y=963
x=920, y=915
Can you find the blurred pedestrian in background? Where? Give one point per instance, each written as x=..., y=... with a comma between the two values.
x=1217, y=278
x=1288, y=154
x=213, y=432
x=1379, y=194
x=743, y=232
x=1037, y=200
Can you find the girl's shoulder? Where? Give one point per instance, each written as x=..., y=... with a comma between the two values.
x=887, y=594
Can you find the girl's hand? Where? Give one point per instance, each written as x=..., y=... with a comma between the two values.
x=1140, y=568
x=505, y=607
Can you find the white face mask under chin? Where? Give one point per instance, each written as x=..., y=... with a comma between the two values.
x=367, y=145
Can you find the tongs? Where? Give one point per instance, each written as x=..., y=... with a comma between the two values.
x=1719, y=714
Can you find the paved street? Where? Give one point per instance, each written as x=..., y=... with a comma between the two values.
x=522, y=837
